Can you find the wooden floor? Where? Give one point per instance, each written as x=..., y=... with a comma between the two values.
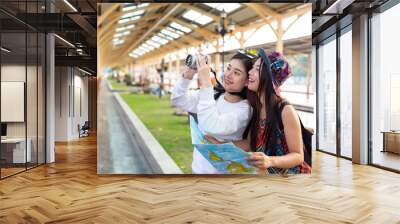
x=70, y=191
x=10, y=171
x=388, y=159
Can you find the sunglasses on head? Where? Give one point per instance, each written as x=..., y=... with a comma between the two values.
x=247, y=54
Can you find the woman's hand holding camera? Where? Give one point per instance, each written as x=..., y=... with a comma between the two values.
x=203, y=71
x=188, y=73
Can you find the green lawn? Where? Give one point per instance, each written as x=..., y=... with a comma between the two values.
x=118, y=86
x=171, y=131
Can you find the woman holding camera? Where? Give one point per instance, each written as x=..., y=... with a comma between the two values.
x=224, y=117
x=274, y=135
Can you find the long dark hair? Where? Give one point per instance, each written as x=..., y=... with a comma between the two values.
x=248, y=64
x=271, y=100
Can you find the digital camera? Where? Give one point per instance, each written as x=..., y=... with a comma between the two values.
x=190, y=61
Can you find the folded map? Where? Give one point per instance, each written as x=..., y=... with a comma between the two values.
x=226, y=158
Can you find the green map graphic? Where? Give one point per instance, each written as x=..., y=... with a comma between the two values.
x=214, y=156
x=237, y=168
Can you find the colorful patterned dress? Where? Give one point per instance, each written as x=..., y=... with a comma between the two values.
x=280, y=149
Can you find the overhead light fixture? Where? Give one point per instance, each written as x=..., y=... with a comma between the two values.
x=148, y=46
x=125, y=20
x=123, y=28
x=338, y=6
x=5, y=50
x=64, y=40
x=119, y=29
x=180, y=27
x=130, y=6
x=159, y=39
x=144, y=49
x=116, y=35
x=86, y=72
x=175, y=30
x=231, y=25
x=131, y=14
x=197, y=17
x=70, y=5
x=133, y=55
x=118, y=41
x=142, y=5
x=138, y=51
x=153, y=43
x=170, y=33
x=165, y=36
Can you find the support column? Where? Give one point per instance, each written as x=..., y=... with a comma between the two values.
x=309, y=75
x=169, y=71
x=50, y=94
x=92, y=89
x=241, y=40
x=177, y=64
x=314, y=63
x=217, y=58
x=360, y=90
x=279, y=37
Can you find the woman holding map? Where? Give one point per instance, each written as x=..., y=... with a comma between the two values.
x=274, y=137
x=225, y=116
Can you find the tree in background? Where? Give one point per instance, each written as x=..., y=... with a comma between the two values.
x=128, y=79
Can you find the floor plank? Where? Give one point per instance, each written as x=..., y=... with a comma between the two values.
x=70, y=191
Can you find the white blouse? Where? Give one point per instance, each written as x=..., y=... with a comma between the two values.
x=219, y=118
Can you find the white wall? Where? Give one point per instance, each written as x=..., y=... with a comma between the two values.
x=71, y=93
x=33, y=126
x=62, y=80
x=79, y=115
x=12, y=73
